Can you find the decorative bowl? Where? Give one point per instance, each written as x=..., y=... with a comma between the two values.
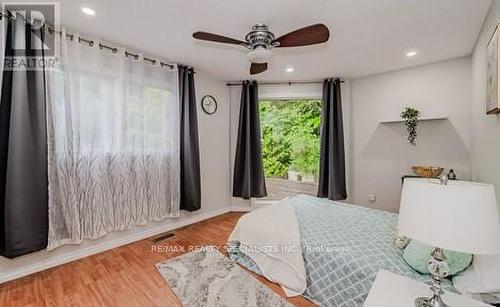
x=427, y=171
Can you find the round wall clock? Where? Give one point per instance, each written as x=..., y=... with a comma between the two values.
x=209, y=104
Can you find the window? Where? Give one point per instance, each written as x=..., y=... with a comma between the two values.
x=290, y=146
x=144, y=118
x=110, y=114
x=113, y=135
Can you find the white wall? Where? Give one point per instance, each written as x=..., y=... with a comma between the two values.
x=214, y=158
x=485, y=128
x=214, y=133
x=380, y=154
x=295, y=91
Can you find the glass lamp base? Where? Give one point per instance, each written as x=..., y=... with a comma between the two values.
x=434, y=301
x=439, y=270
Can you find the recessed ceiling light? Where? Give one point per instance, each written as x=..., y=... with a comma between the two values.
x=411, y=53
x=290, y=69
x=88, y=11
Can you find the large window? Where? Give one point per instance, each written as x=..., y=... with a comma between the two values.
x=107, y=121
x=290, y=146
x=113, y=135
x=145, y=110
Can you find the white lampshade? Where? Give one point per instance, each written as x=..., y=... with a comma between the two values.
x=460, y=216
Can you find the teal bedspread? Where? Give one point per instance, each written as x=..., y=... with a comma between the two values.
x=343, y=246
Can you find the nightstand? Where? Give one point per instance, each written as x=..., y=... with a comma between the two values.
x=408, y=176
x=392, y=290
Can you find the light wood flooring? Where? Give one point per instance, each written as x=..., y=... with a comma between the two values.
x=123, y=276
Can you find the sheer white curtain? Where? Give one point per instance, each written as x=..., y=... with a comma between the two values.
x=113, y=132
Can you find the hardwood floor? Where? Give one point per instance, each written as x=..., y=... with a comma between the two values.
x=123, y=276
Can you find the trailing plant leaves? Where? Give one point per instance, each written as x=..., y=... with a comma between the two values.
x=410, y=115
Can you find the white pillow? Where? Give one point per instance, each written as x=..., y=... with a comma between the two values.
x=482, y=277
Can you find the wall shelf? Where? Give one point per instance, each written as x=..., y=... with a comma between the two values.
x=425, y=118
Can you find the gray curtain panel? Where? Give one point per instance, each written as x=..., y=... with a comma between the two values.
x=189, y=147
x=249, y=180
x=332, y=183
x=23, y=149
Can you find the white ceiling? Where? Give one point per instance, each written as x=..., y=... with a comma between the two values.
x=367, y=36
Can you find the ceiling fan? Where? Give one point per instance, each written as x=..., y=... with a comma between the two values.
x=260, y=41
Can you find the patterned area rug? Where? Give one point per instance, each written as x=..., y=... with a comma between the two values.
x=208, y=278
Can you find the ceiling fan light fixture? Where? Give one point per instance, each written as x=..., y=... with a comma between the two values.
x=259, y=55
x=260, y=41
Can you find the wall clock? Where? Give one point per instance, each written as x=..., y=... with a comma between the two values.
x=209, y=104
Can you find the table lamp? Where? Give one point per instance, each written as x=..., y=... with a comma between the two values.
x=456, y=215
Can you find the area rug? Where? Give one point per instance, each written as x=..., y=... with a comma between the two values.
x=207, y=278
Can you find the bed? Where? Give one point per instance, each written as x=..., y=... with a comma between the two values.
x=343, y=246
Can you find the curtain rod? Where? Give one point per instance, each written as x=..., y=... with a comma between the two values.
x=90, y=42
x=281, y=82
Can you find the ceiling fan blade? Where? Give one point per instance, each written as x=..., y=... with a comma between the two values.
x=257, y=68
x=217, y=38
x=311, y=35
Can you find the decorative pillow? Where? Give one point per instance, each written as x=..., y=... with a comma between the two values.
x=417, y=255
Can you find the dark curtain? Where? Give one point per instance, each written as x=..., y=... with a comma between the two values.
x=332, y=183
x=189, y=147
x=249, y=180
x=23, y=148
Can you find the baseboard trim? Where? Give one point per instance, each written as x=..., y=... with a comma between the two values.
x=93, y=247
x=241, y=208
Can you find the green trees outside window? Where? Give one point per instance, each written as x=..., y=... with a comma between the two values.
x=290, y=137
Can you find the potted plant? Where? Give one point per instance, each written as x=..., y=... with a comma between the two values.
x=410, y=116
